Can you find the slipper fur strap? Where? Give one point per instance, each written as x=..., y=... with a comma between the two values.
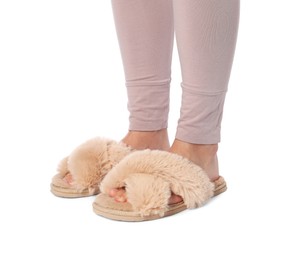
x=150, y=176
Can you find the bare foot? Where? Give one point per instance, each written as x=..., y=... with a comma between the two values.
x=155, y=140
x=120, y=196
x=203, y=155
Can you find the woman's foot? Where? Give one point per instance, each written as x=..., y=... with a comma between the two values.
x=154, y=140
x=203, y=155
x=139, y=140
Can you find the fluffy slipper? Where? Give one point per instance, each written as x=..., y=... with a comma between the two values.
x=80, y=174
x=149, y=178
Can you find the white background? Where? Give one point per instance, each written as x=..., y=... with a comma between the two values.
x=61, y=83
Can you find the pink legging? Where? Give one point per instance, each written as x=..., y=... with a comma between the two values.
x=206, y=32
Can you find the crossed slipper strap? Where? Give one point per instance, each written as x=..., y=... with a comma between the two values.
x=149, y=178
x=88, y=164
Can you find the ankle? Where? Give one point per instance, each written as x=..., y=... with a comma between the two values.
x=204, y=150
x=147, y=139
x=203, y=155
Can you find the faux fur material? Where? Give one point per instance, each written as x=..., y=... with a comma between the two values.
x=148, y=194
x=62, y=171
x=90, y=162
x=149, y=177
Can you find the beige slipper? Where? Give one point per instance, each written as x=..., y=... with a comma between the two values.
x=149, y=178
x=80, y=174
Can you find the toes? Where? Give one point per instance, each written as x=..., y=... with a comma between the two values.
x=174, y=199
x=68, y=178
x=118, y=194
x=113, y=192
x=121, y=196
x=120, y=199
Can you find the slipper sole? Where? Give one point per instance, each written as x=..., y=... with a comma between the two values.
x=107, y=207
x=65, y=192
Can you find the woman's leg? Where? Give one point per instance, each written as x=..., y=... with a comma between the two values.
x=206, y=32
x=145, y=33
